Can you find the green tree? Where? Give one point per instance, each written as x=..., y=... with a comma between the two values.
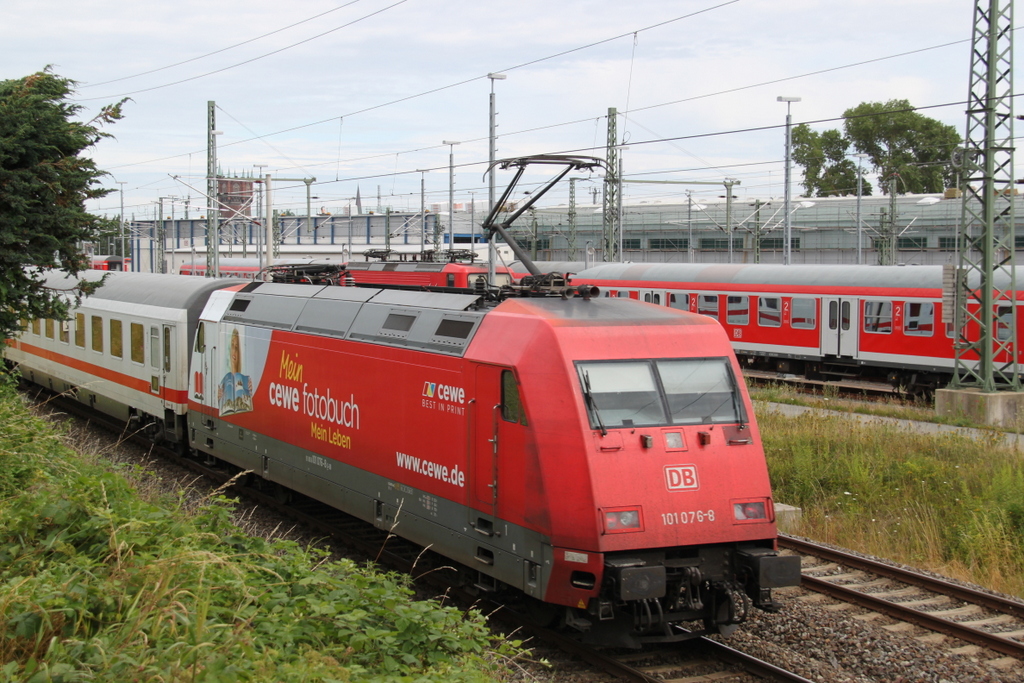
x=898, y=140
x=827, y=169
x=44, y=184
x=900, y=143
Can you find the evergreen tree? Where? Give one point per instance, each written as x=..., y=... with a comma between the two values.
x=44, y=184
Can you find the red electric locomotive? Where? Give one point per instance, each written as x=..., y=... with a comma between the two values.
x=598, y=455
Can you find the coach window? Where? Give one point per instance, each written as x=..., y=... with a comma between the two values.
x=680, y=301
x=707, y=305
x=511, y=404
x=1004, y=322
x=49, y=328
x=878, y=317
x=768, y=312
x=116, y=339
x=63, y=331
x=138, y=334
x=919, y=320
x=80, y=330
x=97, y=333
x=35, y=327
x=154, y=346
x=737, y=310
x=804, y=314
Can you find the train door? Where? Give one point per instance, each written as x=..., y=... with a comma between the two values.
x=498, y=432
x=654, y=296
x=839, y=326
x=167, y=371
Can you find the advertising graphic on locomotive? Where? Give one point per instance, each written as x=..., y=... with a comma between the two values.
x=599, y=455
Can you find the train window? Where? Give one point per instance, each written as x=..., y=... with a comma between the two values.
x=49, y=328
x=878, y=317
x=239, y=305
x=803, y=314
x=138, y=335
x=1004, y=322
x=833, y=315
x=399, y=322
x=451, y=279
x=919, y=320
x=769, y=314
x=707, y=305
x=63, y=331
x=622, y=394
x=700, y=391
x=845, y=308
x=680, y=301
x=80, y=330
x=511, y=403
x=737, y=310
x=201, y=338
x=167, y=349
x=116, y=339
x=97, y=333
x=154, y=346
x=36, y=327
x=647, y=297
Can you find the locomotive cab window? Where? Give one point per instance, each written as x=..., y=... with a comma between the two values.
x=635, y=393
x=511, y=403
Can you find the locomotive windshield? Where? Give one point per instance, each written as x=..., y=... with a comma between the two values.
x=645, y=393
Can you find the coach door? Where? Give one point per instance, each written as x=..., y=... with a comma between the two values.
x=654, y=296
x=498, y=432
x=839, y=326
x=167, y=369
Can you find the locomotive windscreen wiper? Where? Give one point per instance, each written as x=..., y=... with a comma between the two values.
x=589, y=396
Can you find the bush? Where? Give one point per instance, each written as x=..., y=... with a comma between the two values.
x=97, y=585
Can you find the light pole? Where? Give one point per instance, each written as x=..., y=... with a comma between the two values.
x=423, y=211
x=491, y=255
x=451, y=192
x=860, y=228
x=787, y=233
x=124, y=252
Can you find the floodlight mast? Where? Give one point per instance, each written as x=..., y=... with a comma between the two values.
x=490, y=226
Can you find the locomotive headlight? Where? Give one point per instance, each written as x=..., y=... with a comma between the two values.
x=621, y=520
x=749, y=510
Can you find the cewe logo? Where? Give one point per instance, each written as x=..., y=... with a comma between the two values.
x=681, y=477
x=444, y=392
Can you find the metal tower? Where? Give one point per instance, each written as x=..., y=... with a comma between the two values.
x=611, y=191
x=985, y=349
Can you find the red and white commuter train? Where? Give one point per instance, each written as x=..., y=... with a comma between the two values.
x=599, y=455
x=825, y=321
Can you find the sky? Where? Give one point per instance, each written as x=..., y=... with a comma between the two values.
x=362, y=94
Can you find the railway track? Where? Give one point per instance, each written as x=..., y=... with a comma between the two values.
x=982, y=619
x=700, y=659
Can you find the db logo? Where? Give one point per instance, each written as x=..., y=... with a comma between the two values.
x=681, y=477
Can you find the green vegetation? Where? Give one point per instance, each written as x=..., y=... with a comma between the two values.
x=947, y=503
x=45, y=181
x=97, y=584
x=894, y=407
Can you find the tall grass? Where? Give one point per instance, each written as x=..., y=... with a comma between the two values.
x=947, y=503
x=96, y=584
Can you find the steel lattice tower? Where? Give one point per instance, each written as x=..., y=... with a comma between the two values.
x=986, y=349
x=611, y=190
